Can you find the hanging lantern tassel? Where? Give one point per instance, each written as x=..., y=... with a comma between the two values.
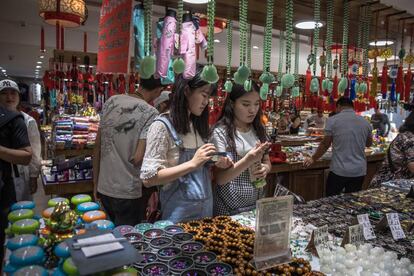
x=85, y=42
x=384, y=81
x=400, y=82
x=308, y=82
x=335, y=87
x=42, y=40
x=374, y=84
x=408, y=79
x=392, y=92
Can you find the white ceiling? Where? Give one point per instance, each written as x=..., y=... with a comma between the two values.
x=20, y=38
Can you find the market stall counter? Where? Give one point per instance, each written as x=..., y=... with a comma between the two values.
x=310, y=182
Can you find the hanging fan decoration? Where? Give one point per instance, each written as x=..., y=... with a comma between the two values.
x=179, y=64
x=288, y=80
x=408, y=77
x=327, y=84
x=228, y=85
x=148, y=63
x=279, y=88
x=295, y=89
x=243, y=72
x=266, y=77
x=343, y=83
x=314, y=86
x=209, y=73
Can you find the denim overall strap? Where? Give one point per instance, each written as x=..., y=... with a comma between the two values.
x=177, y=140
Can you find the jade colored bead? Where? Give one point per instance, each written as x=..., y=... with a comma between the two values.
x=70, y=268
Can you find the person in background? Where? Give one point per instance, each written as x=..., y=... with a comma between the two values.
x=25, y=177
x=380, y=122
x=177, y=153
x=119, y=149
x=348, y=134
x=316, y=123
x=399, y=162
x=14, y=149
x=162, y=103
x=295, y=125
x=240, y=132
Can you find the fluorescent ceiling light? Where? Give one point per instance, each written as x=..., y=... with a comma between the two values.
x=255, y=47
x=41, y=56
x=382, y=42
x=196, y=1
x=39, y=62
x=216, y=41
x=38, y=66
x=3, y=70
x=307, y=25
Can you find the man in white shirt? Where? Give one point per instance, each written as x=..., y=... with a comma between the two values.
x=119, y=150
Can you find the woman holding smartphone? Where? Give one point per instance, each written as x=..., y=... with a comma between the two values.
x=241, y=133
x=176, y=153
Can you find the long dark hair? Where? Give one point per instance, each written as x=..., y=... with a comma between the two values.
x=227, y=117
x=408, y=124
x=179, y=105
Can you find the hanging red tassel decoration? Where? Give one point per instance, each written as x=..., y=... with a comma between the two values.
x=335, y=87
x=400, y=82
x=42, y=40
x=85, y=42
x=132, y=83
x=308, y=80
x=62, y=38
x=384, y=81
x=408, y=80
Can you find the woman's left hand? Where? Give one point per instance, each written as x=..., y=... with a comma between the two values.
x=224, y=163
x=262, y=172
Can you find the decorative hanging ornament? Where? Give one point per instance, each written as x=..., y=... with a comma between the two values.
x=67, y=13
x=295, y=92
x=393, y=72
x=386, y=53
x=179, y=64
x=314, y=86
x=148, y=63
x=228, y=85
x=266, y=77
x=243, y=72
x=345, y=35
x=288, y=80
x=343, y=84
x=209, y=73
x=354, y=68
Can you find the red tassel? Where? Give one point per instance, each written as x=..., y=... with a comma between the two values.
x=384, y=80
x=42, y=40
x=335, y=87
x=62, y=38
x=85, y=42
x=408, y=80
x=308, y=79
x=368, y=88
x=400, y=82
x=57, y=35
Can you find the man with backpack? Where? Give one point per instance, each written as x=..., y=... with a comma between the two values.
x=14, y=149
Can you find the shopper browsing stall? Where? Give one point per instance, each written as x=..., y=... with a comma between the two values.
x=295, y=125
x=380, y=122
x=177, y=153
x=162, y=103
x=316, y=123
x=399, y=162
x=118, y=153
x=241, y=133
x=14, y=149
x=348, y=134
x=25, y=177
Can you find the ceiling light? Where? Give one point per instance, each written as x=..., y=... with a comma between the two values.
x=382, y=42
x=255, y=47
x=39, y=62
x=196, y=1
x=42, y=56
x=38, y=66
x=216, y=41
x=307, y=25
x=3, y=70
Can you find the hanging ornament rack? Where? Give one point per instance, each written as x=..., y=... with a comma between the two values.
x=343, y=83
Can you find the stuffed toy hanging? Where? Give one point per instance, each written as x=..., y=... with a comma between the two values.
x=165, y=50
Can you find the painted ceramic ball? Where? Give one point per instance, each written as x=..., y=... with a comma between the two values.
x=82, y=198
x=33, y=270
x=52, y=202
x=93, y=215
x=28, y=255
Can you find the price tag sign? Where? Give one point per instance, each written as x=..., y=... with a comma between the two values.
x=318, y=240
x=272, y=237
x=366, y=224
x=395, y=226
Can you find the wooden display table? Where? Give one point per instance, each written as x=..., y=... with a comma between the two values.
x=67, y=188
x=294, y=140
x=310, y=182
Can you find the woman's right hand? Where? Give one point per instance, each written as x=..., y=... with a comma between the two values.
x=203, y=154
x=256, y=154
